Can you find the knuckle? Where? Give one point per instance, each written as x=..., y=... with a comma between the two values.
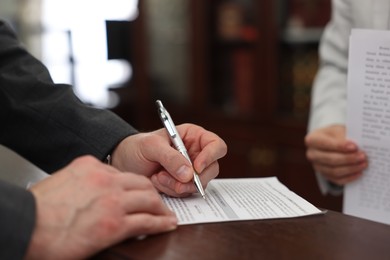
x=109, y=224
x=112, y=199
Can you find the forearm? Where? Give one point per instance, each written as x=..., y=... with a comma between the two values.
x=50, y=132
x=45, y=122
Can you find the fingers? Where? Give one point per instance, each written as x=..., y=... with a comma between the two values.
x=213, y=149
x=339, y=168
x=164, y=182
x=146, y=224
x=139, y=194
x=135, y=196
x=92, y=206
x=338, y=160
x=331, y=138
x=340, y=178
x=148, y=201
x=145, y=212
x=131, y=181
x=335, y=158
x=204, y=147
x=159, y=150
x=168, y=169
x=341, y=174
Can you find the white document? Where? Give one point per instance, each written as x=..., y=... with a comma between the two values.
x=368, y=123
x=240, y=199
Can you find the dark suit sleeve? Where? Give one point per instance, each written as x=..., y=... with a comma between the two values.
x=45, y=122
x=17, y=220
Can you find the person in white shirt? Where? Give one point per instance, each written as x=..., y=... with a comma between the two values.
x=335, y=159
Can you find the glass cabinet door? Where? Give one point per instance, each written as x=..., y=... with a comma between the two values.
x=234, y=33
x=301, y=25
x=258, y=57
x=168, y=33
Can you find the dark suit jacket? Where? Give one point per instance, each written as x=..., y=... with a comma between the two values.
x=17, y=220
x=45, y=123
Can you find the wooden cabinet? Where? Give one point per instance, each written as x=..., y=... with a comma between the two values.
x=240, y=68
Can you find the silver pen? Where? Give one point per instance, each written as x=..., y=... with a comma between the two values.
x=177, y=142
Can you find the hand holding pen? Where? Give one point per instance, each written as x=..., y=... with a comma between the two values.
x=152, y=155
x=177, y=141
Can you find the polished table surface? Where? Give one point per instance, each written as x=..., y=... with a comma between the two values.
x=329, y=236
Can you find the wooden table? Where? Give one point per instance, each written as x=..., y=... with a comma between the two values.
x=329, y=236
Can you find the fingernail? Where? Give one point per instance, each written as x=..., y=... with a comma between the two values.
x=173, y=223
x=184, y=173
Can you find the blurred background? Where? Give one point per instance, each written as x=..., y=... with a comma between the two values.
x=240, y=68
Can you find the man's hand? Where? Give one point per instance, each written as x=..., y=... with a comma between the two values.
x=152, y=155
x=336, y=158
x=88, y=206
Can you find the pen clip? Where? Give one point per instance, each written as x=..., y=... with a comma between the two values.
x=166, y=119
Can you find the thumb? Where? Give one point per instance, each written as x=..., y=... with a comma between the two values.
x=173, y=162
